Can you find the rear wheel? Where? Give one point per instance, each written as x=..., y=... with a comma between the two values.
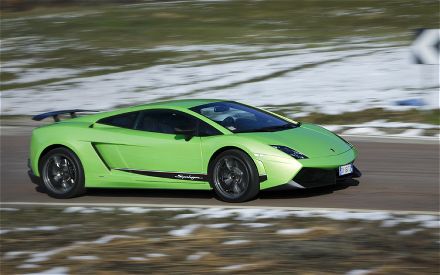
x=62, y=174
x=234, y=176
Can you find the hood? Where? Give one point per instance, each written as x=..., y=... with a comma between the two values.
x=308, y=139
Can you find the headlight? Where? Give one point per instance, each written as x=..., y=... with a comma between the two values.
x=290, y=152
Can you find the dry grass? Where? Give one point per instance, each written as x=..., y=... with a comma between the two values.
x=328, y=247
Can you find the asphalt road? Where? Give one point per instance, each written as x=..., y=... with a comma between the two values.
x=396, y=176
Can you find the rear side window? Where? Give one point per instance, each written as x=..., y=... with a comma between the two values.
x=165, y=121
x=169, y=121
x=126, y=120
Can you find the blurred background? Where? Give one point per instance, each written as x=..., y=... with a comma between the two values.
x=331, y=62
x=349, y=65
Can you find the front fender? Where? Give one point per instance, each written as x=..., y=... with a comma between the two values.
x=278, y=167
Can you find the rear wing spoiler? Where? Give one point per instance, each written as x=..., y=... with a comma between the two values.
x=55, y=114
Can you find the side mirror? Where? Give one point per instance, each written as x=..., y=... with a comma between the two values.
x=187, y=133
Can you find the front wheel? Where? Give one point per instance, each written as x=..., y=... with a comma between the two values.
x=234, y=176
x=62, y=174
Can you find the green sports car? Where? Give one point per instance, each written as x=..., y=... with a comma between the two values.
x=235, y=149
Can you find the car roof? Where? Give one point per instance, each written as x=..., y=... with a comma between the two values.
x=183, y=103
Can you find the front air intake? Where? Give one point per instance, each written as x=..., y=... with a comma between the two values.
x=315, y=177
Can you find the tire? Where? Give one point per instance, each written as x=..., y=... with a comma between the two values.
x=62, y=174
x=234, y=176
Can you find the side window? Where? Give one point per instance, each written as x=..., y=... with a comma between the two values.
x=126, y=120
x=165, y=121
x=206, y=130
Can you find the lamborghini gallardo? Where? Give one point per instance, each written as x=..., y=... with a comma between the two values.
x=231, y=148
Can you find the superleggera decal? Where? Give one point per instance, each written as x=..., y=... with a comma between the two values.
x=170, y=175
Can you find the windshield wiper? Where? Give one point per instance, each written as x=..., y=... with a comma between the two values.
x=278, y=127
x=270, y=128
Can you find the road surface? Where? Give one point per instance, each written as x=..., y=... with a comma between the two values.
x=396, y=176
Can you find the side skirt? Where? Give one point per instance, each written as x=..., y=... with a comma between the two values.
x=169, y=175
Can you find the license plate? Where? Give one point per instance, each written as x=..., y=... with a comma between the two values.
x=345, y=169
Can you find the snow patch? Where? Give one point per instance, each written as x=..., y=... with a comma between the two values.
x=133, y=229
x=409, y=231
x=82, y=210
x=380, y=74
x=175, y=209
x=431, y=224
x=186, y=216
x=390, y=223
x=358, y=272
x=294, y=231
x=87, y=210
x=54, y=271
x=45, y=256
x=14, y=254
x=344, y=215
x=196, y=256
x=135, y=210
x=155, y=255
x=73, y=209
x=184, y=231
x=33, y=75
x=234, y=267
x=108, y=238
x=83, y=258
x=382, y=123
x=247, y=214
x=411, y=133
x=27, y=229
x=364, y=131
x=8, y=209
x=236, y=242
x=256, y=224
x=218, y=225
x=427, y=221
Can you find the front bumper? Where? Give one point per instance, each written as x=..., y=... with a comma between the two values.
x=317, y=177
x=305, y=173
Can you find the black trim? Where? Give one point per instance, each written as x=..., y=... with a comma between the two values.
x=55, y=114
x=356, y=174
x=100, y=156
x=170, y=175
x=34, y=179
x=175, y=175
x=107, y=120
x=316, y=177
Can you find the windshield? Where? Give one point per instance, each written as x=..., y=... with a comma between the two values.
x=240, y=118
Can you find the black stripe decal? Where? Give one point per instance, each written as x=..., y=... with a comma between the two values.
x=170, y=175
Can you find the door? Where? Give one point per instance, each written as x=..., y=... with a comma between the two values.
x=153, y=148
